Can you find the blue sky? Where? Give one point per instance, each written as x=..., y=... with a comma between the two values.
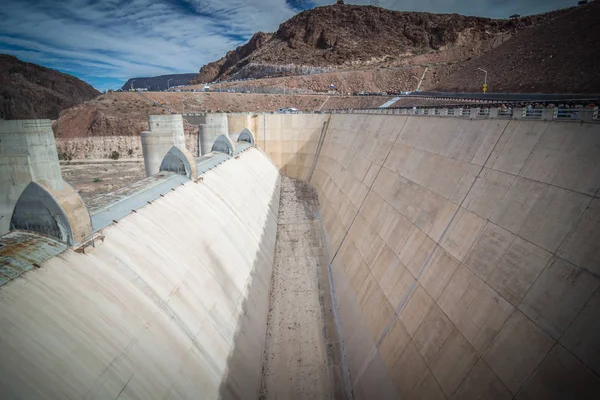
x=106, y=42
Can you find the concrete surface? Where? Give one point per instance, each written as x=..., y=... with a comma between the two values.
x=464, y=252
x=172, y=304
x=301, y=353
x=27, y=153
x=33, y=194
x=210, y=126
x=165, y=132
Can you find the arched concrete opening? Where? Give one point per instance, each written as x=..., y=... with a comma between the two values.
x=179, y=161
x=246, y=136
x=223, y=144
x=38, y=211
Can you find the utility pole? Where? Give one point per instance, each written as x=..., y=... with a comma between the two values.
x=168, y=85
x=422, y=77
x=484, y=79
x=418, y=81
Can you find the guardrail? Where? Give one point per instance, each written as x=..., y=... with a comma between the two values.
x=532, y=112
x=546, y=114
x=535, y=97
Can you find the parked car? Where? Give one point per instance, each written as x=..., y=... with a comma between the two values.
x=286, y=110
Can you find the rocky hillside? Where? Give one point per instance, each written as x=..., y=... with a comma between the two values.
x=214, y=70
x=350, y=36
x=32, y=91
x=158, y=82
x=559, y=56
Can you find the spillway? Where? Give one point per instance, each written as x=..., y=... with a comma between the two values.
x=426, y=257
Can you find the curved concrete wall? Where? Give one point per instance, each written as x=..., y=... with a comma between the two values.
x=465, y=257
x=172, y=304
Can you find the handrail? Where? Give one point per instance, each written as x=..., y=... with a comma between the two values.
x=546, y=114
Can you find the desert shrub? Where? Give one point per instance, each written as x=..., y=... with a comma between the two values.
x=114, y=155
x=65, y=156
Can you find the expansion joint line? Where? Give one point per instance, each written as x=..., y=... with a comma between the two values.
x=427, y=262
x=346, y=369
x=367, y=195
x=324, y=130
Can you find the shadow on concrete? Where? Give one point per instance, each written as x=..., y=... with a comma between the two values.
x=244, y=372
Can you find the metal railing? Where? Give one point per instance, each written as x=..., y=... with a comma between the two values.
x=567, y=113
x=533, y=113
x=559, y=114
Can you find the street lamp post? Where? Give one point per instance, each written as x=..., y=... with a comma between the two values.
x=484, y=79
x=418, y=81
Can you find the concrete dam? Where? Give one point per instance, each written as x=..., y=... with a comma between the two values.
x=317, y=256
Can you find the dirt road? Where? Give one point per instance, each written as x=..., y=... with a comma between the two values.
x=95, y=177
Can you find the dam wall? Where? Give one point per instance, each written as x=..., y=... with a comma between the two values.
x=464, y=253
x=171, y=301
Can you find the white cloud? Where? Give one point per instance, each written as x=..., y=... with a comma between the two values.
x=112, y=40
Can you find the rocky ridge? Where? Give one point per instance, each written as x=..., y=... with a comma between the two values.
x=357, y=37
x=31, y=91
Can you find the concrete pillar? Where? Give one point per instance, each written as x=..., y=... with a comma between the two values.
x=474, y=112
x=586, y=114
x=548, y=113
x=518, y=113
x=494, y=112
x=165, y=132
x=33, y=195
x=444, y=112
x=172, y=124
x=236, y=123
x=27, y=153
x=211, y=126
